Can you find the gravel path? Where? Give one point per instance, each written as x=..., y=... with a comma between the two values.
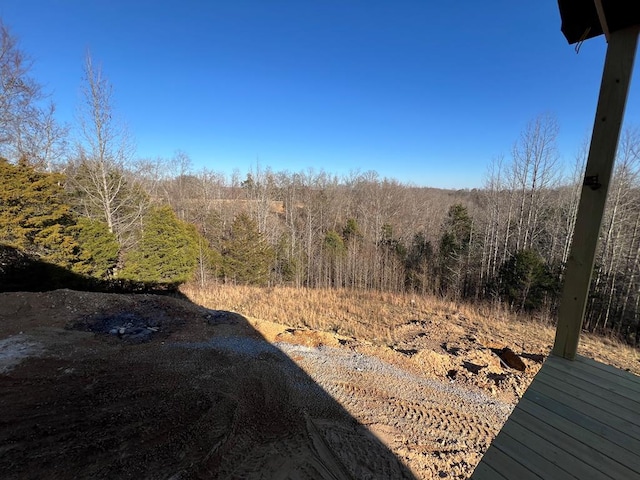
x=438, y=428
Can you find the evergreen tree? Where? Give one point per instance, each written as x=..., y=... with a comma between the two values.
x=454, y=244
x=333, y=244
x=334, y=251
x=99, y=248
x=418, y=264
x=34, y=215
x=247, y=257
x=526, y=280
x=167, y=252
x=286, y=264
x=351, y=230
x=390, y=244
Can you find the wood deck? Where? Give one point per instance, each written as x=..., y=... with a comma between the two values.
x=577, y=420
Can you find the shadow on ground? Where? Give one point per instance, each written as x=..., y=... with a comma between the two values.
x=139, y=385
x=21, y=272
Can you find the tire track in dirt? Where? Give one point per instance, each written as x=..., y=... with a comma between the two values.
x=314, y=440
x=430, y=424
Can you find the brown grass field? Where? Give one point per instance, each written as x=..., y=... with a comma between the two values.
x=377, y=316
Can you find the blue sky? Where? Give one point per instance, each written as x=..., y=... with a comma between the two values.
x=421, y=91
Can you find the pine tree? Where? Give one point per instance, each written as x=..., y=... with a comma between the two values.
x=34, y=215
x=247, y=258
x=167, y=252
x=418, y=264
x=526, y=280
x=99, y=248
x=454, y=244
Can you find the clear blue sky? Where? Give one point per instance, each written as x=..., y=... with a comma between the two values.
x=421, y=91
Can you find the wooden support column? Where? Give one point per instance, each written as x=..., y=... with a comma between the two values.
x=604, y=141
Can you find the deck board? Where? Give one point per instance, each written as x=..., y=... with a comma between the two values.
x=564, y=444
x=595, y=412
x=586, y=429
x=539, y=455
x=485, y=472
x=593, y=373
x=593, y=394
x=597, y=366
x=506, y=466
x=577, y=419
x=622, y=417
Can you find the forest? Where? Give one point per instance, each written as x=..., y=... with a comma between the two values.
x=78, y=196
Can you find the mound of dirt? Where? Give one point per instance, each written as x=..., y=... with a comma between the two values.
x=108, y=386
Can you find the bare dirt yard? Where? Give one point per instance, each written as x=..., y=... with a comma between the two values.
x=106, y=386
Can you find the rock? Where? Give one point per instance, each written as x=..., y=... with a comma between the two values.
x=511, y=359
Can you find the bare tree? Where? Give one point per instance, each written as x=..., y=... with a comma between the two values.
x=28, y=130
x=572, y=200
x=18, y=91
x=616, y=264
x=535, y=160
x=493, y=191
x=104, y=172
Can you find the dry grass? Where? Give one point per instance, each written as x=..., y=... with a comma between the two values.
x=364, y=315
x=375, y=316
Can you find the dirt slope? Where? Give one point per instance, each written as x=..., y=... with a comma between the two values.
x=123, y=386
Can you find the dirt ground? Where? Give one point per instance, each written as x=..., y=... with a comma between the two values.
x=106, y=386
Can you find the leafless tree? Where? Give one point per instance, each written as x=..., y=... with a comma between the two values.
x=535, y=169
x=28, y=129
x=103, y=173
x=616, y=264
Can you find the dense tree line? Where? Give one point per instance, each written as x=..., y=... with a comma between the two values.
x=505, y=243
x=99, y=211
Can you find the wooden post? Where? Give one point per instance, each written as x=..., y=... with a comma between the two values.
x=604, y=142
